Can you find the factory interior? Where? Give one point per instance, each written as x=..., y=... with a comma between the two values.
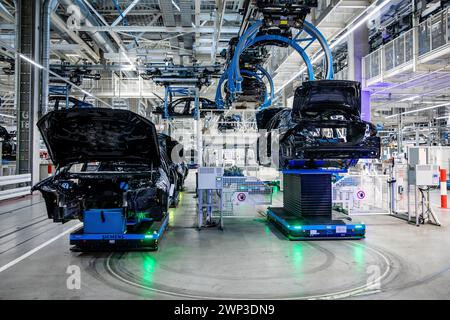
x=224, y=150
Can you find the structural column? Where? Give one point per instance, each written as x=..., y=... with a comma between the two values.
x=358, y=47
x=27, y=87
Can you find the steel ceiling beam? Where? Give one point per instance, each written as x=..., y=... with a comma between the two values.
x=221, y=5
x=168, y=15
x=61, y=25
x=156, y=29
x=125, y=12
x=5, y=14
x=186, y=21
x=197, y=21
x=114, y=35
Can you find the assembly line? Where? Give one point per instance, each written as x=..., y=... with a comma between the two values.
x=224, y=149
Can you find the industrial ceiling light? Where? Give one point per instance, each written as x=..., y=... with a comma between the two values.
x=31, y=61
x=22, y=56
x=127, y=58
x=419, y=110
x=7, y=116
x=87, y=93
x=410, y=98
x=178, y=8
x=361, y=22
x=127, y=68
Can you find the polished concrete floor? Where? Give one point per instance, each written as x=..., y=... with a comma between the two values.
x=248, y=259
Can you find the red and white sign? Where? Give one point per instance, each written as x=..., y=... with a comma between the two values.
x=360, y=195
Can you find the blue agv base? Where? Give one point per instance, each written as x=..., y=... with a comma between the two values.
x=145, y=236
x=314, y=227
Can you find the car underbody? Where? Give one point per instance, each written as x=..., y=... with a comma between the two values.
x=323, y=129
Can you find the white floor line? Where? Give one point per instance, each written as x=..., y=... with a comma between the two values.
x=32, y=251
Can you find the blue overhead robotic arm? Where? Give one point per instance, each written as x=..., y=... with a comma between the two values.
x=233, y=72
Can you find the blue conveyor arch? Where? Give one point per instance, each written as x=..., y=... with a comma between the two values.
x=233, y=72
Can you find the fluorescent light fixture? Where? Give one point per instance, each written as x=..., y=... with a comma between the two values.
x=22, y=56
x=340, y=39
x=7, y=116
x=127, y=58
x=87, y=93
x=127, y=68
x=444, y=117
x=410, y=98
x=176, y=6
x=418, y=110
x=31, y=61
x=360, y=23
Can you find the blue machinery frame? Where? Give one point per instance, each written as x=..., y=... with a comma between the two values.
x=233, y=73
x=311, y=226
x=182, y=91
x=308, y=230
x=148, y=240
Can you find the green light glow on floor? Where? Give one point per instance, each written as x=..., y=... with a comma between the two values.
x=297, y=256
x=358, y=256
x=149, y=267
x=298, y=260
x=171, y=216
x=275, y=190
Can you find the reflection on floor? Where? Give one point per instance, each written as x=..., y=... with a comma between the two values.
x=249, y=259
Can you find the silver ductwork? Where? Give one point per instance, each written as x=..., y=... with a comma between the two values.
x=186, y=21
x=100, y=38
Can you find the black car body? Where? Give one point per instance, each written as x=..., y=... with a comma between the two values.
x=171, y=156
x=323, y=129
x=61, y=102
x=9, y=146
x=253, y=90
x=104, y=158
x=228, y=123
x=185, y=107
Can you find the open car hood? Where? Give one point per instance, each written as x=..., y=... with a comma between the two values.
x=328, y=95
x=99, y=134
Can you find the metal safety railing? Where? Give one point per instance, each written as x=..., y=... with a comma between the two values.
x=361, y=194
x=240, y=196
x=13, y=186
x=432, y=34
x=122, y=87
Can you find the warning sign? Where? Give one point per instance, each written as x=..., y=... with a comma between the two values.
x=241, y=196
x=360, y=195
